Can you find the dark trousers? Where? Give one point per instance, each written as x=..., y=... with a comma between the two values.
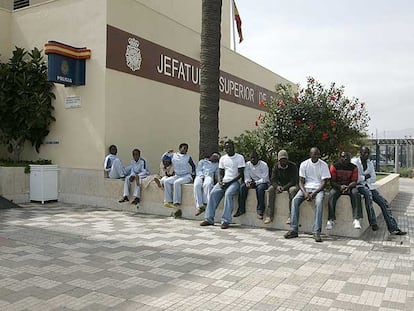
x=334, y=195
x=260, y=195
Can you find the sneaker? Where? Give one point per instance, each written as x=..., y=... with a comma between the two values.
x=205, y=223
x=317, y=237
x=330, y=224
x=268, y=220
x=357, y=224
x=200, y=210
x=124, y=199
x=399, y=232
x=259, y=216
x=291, y=234
x=224, y=225
x=288, y=221
x=178, y=213
x=135, y=201
x=237, y=214
x=169, y=205
x=374, y=227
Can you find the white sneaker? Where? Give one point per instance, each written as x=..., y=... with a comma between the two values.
x=357, y=224
x=330, y=224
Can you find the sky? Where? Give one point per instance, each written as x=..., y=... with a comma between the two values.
x=365, y=45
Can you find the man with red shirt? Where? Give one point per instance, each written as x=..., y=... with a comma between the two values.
x=344, y=178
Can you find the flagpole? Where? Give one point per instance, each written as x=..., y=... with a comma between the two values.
x=233, y=24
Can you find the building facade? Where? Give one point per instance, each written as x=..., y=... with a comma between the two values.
x=142, y=78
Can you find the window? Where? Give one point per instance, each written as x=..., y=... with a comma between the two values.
x=18, y=4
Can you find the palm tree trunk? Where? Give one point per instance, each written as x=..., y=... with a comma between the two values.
x=210, y=73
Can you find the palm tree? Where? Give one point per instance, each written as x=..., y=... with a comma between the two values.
x=210, y=73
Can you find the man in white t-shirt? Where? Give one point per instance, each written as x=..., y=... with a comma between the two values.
x=313, y=175
x=231, y=167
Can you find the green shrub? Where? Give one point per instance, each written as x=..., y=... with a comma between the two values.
x=406, y=172
x=25, y=164
x=312, y=117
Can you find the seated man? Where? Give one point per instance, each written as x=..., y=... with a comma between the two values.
x=112, y=165
x=256, y=176
x=313, y=175
x=138, y=171
x=344, y=178
x=206, y=175
x=231, y=167
x=366, y=186
x=184, y=169
x=284, y=178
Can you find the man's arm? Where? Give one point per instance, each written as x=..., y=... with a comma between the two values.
x=220, y=175
x=274, y=179
x=354, y=178
x=334, y=184
x=193, y=167
x=293, y=178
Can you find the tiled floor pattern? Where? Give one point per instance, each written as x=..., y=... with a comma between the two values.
x=69, y=257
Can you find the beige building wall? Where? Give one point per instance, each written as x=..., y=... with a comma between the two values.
x=154, y=116
x=5, y=20
x=79, y=131
x=6, y=4
x=188, y=14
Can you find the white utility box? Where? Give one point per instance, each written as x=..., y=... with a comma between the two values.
x=43, y=183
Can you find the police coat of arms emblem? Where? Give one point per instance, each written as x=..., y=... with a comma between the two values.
x=133, y=54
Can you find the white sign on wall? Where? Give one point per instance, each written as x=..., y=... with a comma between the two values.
x=72, y=102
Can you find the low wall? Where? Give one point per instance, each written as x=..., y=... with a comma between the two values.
x=88, y=187
x=14, y=184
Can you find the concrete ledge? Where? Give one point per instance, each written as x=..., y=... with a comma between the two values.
x=14, y=184
x=88, y=187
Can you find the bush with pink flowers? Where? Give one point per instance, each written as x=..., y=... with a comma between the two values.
x=297, y=120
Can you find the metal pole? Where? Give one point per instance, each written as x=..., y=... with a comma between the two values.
x=377, y=157
x=396, y=157
x=233, y=23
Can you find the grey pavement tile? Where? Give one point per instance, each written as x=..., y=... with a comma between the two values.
x=66, y=256
x=212, y=289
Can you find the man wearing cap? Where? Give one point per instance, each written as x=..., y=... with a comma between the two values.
x=284, y=178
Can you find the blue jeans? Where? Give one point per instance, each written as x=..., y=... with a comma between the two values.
x=372, y=219
x=260, y=196
x=216, y=195
x=383, y=204
x=294, y=214
x=334, y=195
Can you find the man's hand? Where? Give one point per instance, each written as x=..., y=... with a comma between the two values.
x=279, y=189
x=310, y=196
x=251, y=184
x=131, y=178
x=344, y=189
x=223, y=185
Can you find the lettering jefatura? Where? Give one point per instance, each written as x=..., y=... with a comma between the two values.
x=177, y=69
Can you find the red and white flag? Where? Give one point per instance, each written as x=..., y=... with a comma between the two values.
x=238, y=21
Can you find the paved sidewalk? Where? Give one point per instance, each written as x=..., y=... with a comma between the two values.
x=70, y=257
